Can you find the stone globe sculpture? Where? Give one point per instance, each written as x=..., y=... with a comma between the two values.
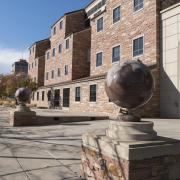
x=22, y=96
x=129, y=85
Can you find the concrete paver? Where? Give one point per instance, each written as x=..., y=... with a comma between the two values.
x=53, y=152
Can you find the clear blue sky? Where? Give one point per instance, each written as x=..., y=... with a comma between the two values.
x=26, y=21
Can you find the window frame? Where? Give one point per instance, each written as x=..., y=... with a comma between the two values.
x=97, y=24
x=43, y=95
x=58, y=72
x=47, y=76
x=60, y=48
x=37, y=96
x=93, y=95
x=61, y=24
x=115, y=61
x=52, y=74
x=53, y=52
x=113, y=20
x=139, y=55
x=101, y=58
x=139, y=9
x=78, y=94
x=67, y=43
x=54, y=30
x=66, y=70
x=48, y=55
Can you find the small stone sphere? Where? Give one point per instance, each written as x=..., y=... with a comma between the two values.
x=129, y=84
x=22, y=95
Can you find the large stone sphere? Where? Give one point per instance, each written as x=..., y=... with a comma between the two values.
x=129, y=84
x=22, y=95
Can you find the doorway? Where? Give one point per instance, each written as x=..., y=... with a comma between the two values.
x=66, y=97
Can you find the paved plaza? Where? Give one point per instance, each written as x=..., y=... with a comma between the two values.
x=53, y=152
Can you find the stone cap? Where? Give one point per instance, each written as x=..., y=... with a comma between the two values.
x=137, y=150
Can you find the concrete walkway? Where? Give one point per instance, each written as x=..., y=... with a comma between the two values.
x=52, y=152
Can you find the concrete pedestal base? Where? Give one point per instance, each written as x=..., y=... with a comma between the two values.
x=110, y=158
x=131, y=131
x=20, y=118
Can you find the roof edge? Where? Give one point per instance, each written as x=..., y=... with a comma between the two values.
x=39, y=42
x=71, y=12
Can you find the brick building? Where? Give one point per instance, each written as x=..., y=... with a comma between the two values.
x=111, y=31
x=20, y=67
x=37, y=61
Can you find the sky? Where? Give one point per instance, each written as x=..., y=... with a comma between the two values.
x=22, y=22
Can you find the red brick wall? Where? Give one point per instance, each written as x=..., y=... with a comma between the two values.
x=81, y=53
x=75, y=22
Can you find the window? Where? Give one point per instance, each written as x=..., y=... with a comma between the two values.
x=32, y=65
x=138, y=46
x=99, y=59
x=54, y=52
x=96, y=8
x=35, y=79
x=37, y=96
x=42, y=95
x=35, y=63
x=61, y=25
x=47, y=76
x=78, y=94
x=92, y=93
x=60, y=48
x=30, y=51
x=100, y=24
x=66, y=70
x=138, y=4
x=52, y=74
x=54, y=30
x=33, y=96
x=67, y=44
x=59, y=72
x=116, y=54
x=48, y=55
x=116, y=14
x=29, y=66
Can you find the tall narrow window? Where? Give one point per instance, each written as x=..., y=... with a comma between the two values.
x=78, y=94
x=54, y=52
x=54, y=30
x=93, y=93
x=60, y=48
x=138, y=4
x=47, y=76
x=116, y=14
x=61, y=25
x=37, y=96
x=66, y=70
x=42, y=95
x=100, y=24
x=59, y=72
x=138, y=46
x=99, y=59
x=67, y=43
x=116, y=54
x=33, y=96
x=48, y=55
x=52, y=74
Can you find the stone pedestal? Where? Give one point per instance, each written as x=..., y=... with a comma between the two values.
x=141, y=155
x=22, y=118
